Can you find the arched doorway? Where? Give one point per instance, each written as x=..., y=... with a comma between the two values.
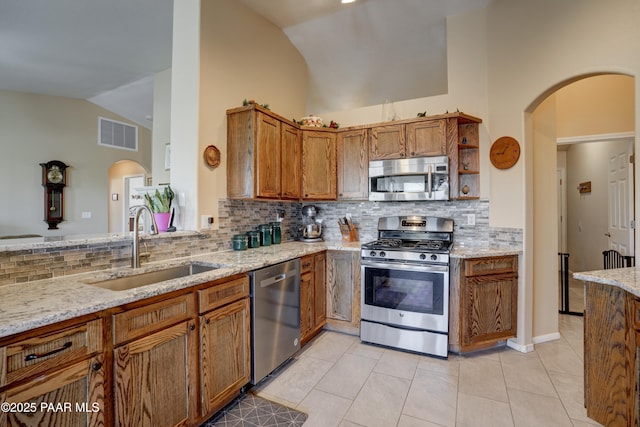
x=599, y=112
x=121, y=174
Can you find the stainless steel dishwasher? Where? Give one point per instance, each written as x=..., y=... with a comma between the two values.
x=275, y=317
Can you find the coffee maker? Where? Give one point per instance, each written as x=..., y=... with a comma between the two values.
x=311, y=226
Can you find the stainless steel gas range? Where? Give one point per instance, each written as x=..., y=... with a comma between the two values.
x=405, y=284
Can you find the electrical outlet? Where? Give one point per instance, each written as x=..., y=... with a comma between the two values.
x=206, y=222
x=86, y=215
x=471, y=219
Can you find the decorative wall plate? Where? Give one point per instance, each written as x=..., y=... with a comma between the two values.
x=212, y=156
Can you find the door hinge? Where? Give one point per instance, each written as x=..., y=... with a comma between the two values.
x=632, y=159
x=632, y=225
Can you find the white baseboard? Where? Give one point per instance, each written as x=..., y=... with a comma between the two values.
x=526, y=348
x=545, y=338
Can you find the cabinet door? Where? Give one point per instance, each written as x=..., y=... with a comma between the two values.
x=427, y=138
x=153, y=376
x=72, y=396
x=306, y=304
x=605, y=355
x=353, y=165
x=387, y=142
x=319, y=165
x=319, y=290
x=291, y=158
x=267, y=156
x=343, y=289
x=240, y=154
x=489, y=307
x=225, y=354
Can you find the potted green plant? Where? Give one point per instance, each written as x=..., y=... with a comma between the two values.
x=160, y=203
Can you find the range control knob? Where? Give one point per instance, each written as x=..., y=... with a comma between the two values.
x=434, y=257
x=423, y=256
x=383, y=254
x=372, y=253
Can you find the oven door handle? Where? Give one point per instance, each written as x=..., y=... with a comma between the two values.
x=403, y=266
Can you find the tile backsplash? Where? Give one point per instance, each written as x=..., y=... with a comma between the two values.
x=239, y=216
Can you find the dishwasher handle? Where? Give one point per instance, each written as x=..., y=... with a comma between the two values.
x=269, y=281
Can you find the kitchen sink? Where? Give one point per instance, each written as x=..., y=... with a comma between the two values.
x=142, y=279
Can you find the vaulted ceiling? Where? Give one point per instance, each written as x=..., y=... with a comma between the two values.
x=106, y=51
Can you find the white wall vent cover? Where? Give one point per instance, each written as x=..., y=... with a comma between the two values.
x=117, y=134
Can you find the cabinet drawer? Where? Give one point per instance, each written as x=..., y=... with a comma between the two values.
x=223, y=293
x=35, y=355
x=306, y=264
x=153, y=317
x=490, y=265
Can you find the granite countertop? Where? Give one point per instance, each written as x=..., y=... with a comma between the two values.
x=624, y=278
x=31, y=305
x=478, y=251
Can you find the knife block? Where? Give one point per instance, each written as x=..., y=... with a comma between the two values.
x=349, y=232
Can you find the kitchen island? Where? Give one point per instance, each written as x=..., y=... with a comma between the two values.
x=612, y=345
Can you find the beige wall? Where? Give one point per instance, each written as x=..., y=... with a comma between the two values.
x=596, y=105
x=526, y=63
x=38, y=128
x=161, y=125
x=242, y=56
x=239, y=56
x=545, y=292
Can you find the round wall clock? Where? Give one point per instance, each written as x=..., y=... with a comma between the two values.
x=505, y=152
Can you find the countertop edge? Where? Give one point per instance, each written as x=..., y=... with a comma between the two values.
x=627, y=279
x=49, y=301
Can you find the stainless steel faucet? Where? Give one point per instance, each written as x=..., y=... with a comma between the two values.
x=135, y=253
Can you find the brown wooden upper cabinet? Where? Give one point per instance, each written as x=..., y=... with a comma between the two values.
x=427, y=138
x=263, y=155
x=417, y=139
x=319, y=172
x=353, y=165
x=270, y=157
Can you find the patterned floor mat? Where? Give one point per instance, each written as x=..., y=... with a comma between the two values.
x=253, y=411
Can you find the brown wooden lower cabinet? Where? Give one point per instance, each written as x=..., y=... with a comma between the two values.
x=313, y=311
x=153, y=375
x=483, y=302
x=54, y=376
x=69, y=396
x=611, y=355
x=225, y=345
x=343, y=291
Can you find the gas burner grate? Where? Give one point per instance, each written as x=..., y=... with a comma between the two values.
x=388, y=243
x=433, y=245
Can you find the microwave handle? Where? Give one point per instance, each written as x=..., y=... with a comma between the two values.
x=429, y=179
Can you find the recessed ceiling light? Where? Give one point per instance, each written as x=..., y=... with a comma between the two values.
x=347, y=1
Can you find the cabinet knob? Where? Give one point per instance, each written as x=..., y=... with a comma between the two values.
x=192, y=327
x=96, y=366
x=207, y=321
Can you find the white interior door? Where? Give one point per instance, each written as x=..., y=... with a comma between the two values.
x=131, y=198
x=620, y=233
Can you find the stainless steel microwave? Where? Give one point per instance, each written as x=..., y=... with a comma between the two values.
x=420, y=178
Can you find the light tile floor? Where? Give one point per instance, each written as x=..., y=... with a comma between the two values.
x=339, y=381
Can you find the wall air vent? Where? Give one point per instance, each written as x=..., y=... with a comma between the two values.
x=117, y=134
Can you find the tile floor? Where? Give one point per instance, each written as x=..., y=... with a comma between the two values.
x=339, y=381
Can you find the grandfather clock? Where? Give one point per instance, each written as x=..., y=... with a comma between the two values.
x=54, y=179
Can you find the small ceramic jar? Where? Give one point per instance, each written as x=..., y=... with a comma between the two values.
x=240, y=242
